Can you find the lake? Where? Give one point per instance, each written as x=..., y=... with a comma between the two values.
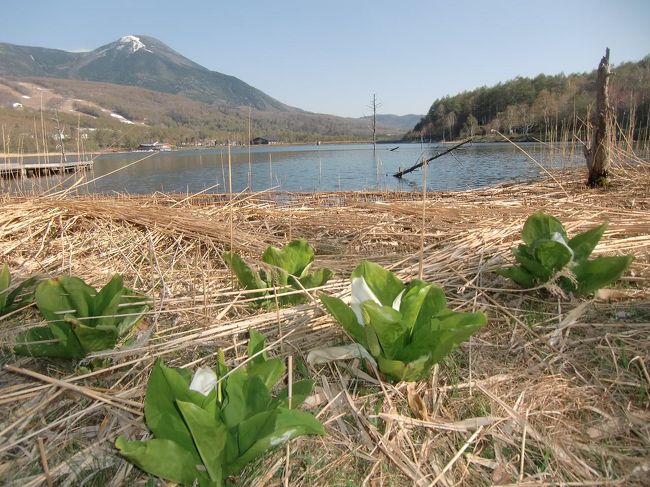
x=344, y=167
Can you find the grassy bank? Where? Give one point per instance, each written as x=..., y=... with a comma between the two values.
x=552, y=391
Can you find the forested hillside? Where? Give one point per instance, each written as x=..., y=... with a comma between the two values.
x=543, y=107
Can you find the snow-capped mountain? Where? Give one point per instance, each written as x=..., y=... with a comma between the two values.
x=136, y=60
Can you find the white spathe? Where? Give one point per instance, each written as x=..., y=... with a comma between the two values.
x=204, y=380
x=361, y=293
x=557, y=236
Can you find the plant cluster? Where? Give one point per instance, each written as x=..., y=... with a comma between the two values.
x=406, y=327
x=209, y=426
x=289, y=271
x=548, y=257
x=80, y=319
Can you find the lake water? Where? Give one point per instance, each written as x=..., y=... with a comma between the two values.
x=319, y=168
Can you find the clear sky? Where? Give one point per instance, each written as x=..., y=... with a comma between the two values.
x=330, y=56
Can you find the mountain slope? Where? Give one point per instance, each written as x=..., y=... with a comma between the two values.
x=137, y=61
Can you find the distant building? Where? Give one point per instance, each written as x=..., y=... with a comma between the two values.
x=154, y=146
x=263, y=141
x=17, y=105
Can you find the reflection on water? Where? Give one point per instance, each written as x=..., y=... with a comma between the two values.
x=315, y=168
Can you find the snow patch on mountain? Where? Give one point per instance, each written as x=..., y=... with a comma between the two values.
x=121, y=118
x=132, y=43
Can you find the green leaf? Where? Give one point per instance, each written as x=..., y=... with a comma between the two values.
x=383, y=283
x=131, y=310
x=52, y=301
x=209, y=436
x=528, y=262
x=167, y=385
x=300, y=391
x=292, y=258
x=233, y=409
x=346, y=317
x=289, y=423
x=552, y=255
x=5, y=280
x=107, y=302
x=94, y=339
x=256, y=343
x=454, y=328
x=315, y=279
x=257, y=396
x=247, y=278
x=597, y=273
x=24, y=287
x=80, y=295
x=421, y=302
x=584, y=243
x=541, y=226
x=27, y=343
x=518, y=274
x=65, y=334
x=252, y=429
x=165, y=459
x=387, y=324
x=269, y=371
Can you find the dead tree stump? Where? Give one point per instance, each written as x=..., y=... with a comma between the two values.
x=598, y=153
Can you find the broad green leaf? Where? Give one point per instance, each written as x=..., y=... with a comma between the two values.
x=454, y=328
x=393, y=369
x=257, y=396
x=552, y=255
x=233, y=410
x=293, y=257
x=166, y=386
x=300, y=391
x=165, y=459
x=388, y=326
x=64, y=333
x=597, y=273
x=5, y=280
x=541, y=226
x=418, y=369
x=247, y=278
x=52, y=300
x=130, y=311
x=584, y=243
x=41, y=342
x=94, y=339
x=256, y=344
x=79, y=294
x=21, y=289
x=315, y=279
x=107, y=302
x=289, y=423
x=252, y=429
x=528, y=262
x=345, y=316
x=518, y=274
x=383, y=283
x=269, y=371
x=433, y=302
x=209, y=436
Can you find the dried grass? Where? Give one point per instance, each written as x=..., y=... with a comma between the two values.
x=551, y=392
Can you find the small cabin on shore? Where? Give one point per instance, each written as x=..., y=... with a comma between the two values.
x=154, y=146
x=264, y=141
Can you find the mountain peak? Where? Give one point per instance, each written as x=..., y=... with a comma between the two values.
x=132, y=43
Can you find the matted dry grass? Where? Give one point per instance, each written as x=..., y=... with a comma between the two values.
x=552, y=392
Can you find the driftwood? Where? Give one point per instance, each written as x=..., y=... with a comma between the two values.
x=422, y=163
x=598, y=154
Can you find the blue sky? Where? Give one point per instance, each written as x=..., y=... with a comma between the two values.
x=330, y=56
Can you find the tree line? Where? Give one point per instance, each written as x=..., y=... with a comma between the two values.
x=544, y=107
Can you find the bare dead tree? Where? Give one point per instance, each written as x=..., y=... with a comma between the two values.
x=598, y=153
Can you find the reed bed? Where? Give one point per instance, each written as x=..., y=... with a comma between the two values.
x=553, y=391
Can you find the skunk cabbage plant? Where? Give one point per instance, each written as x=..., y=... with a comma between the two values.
x=406, y=327
x=80, y=319
x=210, y=424
x=289, y=271
x=549, y=257
x=13, y=299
